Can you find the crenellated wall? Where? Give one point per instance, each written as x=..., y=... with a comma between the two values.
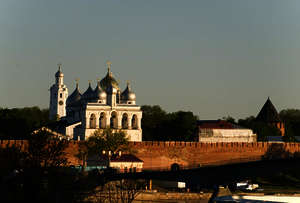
x=161, y=155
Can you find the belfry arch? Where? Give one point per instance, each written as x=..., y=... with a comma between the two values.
x=93, y=121
x=113, y=120
x=125, y=121
x=134, y=122
x=102, y=121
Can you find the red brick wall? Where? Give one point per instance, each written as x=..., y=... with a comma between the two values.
x=161, y=155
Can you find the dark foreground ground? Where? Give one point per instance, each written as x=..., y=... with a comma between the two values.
x=69, y=185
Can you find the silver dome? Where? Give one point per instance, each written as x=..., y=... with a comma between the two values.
x=128, y=94
x=99, y=93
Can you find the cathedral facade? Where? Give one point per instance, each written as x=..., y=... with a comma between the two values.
x=104, y=106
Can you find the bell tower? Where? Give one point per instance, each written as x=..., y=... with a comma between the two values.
x=58, y=96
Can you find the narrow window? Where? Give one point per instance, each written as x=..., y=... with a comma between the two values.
x=60, y=95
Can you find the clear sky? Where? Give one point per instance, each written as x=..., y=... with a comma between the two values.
x=212, y=57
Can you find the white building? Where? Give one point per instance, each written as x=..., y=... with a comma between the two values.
x=58, y=96
x=99, y=108
x=221, y=131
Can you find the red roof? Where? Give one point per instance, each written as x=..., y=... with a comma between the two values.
x=125, y=158
x=115, y=158
x=215, y=124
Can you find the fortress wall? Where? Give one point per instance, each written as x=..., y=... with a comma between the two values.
x=161, y=155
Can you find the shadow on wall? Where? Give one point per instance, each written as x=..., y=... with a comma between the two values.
x=278, y=151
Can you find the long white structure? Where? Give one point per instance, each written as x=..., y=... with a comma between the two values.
x=222, y=131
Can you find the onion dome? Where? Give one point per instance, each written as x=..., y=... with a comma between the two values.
x=74, y=97
x=99, y=93
x=109, y=80
x=128, y=94
x=89, y=93
x=59, y=73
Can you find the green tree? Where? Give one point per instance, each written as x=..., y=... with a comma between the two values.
x=289, y=135
x=161, y=126
x=108, y=140
x=229, y=119
x=22, y=120
x=181, y=126
x=46, y=150
x=263, y=130
x=82, y=153
x=152, y=122
x=102, y=140
x=291, y=119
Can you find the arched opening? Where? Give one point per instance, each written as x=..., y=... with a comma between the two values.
x=113, y=120
x=175, y=167
x=102, y=121
x=134, y=122
x=93, y=121
x=125, y=121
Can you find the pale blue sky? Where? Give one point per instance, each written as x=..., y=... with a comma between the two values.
x=215, y=58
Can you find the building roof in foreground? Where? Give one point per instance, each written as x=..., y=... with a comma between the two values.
x=114, y=158
x=125, y=158
x=217, y=124
x=268, y=113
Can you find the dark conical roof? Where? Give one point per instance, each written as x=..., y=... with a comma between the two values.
x=89, y=93
x=74, y=97
x=268, y=113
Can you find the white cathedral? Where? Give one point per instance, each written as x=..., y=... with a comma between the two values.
x=105, y=106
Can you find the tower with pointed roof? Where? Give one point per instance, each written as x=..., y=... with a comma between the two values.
x=58, y=96
x=268, y=114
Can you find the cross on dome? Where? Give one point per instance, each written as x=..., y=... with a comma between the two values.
x=108, y=64
x=77, y=81
x=59, y=66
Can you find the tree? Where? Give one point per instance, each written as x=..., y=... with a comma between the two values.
x=289, y=135
x=82, y=154
x=102, y=140
x=181, y=126
x=152, y=122
x=22, y=120
x=263, y=130
x=12, y=157
x=46, y=150
x=108, y=140
x=161, y=126
x=229, y=119
x=291, y=119
x=124, y=190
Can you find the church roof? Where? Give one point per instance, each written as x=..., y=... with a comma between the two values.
x=99, y=93
x=128, y=94
x=89, y=93
x=59, y=73
x=109, y=80
x=268, y=113
x=74, y=97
